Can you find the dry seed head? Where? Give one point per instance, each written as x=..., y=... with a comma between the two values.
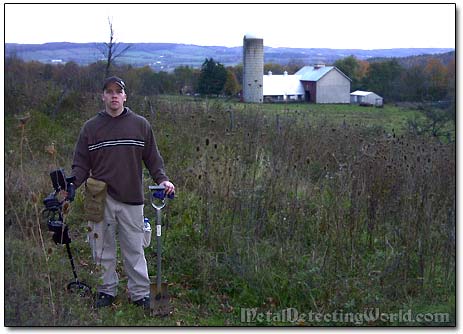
x=23, y=119
x=66, y=207
x=51, y=149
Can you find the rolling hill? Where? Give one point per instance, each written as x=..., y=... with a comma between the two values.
x=167, y=56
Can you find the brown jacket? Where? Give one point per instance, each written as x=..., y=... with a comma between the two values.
x=112, y=149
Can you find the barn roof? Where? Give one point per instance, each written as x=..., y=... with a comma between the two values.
x=282, y=85
x=315, y=73
x=360, y=93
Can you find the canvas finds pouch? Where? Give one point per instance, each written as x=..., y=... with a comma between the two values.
x=94, y=203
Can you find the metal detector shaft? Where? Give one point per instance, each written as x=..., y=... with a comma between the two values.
x=68, y=249
x=76, y=285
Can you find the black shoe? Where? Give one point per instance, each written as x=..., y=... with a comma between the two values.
x=144, y=302
x=104, y=300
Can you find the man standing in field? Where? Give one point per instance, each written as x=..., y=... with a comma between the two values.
x=108, y=158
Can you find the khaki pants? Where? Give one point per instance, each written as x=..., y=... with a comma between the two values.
x=127, y=222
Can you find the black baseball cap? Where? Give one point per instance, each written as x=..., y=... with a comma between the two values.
x=116, y=80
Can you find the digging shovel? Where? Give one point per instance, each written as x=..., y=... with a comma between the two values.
x=159, y=296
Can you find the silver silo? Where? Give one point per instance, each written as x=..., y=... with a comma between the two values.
x=253, y=68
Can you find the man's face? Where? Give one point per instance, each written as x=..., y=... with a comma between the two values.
x=114, y=97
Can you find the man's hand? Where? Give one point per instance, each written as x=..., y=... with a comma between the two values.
x=170, y=188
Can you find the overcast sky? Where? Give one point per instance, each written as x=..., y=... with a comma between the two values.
x=356, y=26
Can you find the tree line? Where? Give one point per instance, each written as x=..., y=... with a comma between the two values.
x=423, y=81
x=432, y=81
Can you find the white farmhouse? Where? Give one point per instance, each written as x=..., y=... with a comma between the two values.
x=316, y=84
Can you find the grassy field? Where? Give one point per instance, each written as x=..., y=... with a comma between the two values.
x=391, y=118
x=315, y=208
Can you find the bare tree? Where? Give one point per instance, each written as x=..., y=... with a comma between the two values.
x=111, y=50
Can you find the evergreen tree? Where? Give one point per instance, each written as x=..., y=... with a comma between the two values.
x=212, y=78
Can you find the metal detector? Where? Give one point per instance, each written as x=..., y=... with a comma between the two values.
x=54, y=212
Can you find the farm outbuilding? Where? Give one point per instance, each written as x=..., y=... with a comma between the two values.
x=366, y=98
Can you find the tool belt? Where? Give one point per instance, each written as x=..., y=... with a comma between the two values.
x=94, y=203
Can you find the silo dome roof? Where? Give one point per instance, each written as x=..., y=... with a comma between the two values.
x=251, y=35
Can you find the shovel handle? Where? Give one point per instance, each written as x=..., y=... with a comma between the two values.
x=156, y=188
x=158, y=192
x=159, y=249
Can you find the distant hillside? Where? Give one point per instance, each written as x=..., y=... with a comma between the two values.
x=167, y=56
x=421, y=60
